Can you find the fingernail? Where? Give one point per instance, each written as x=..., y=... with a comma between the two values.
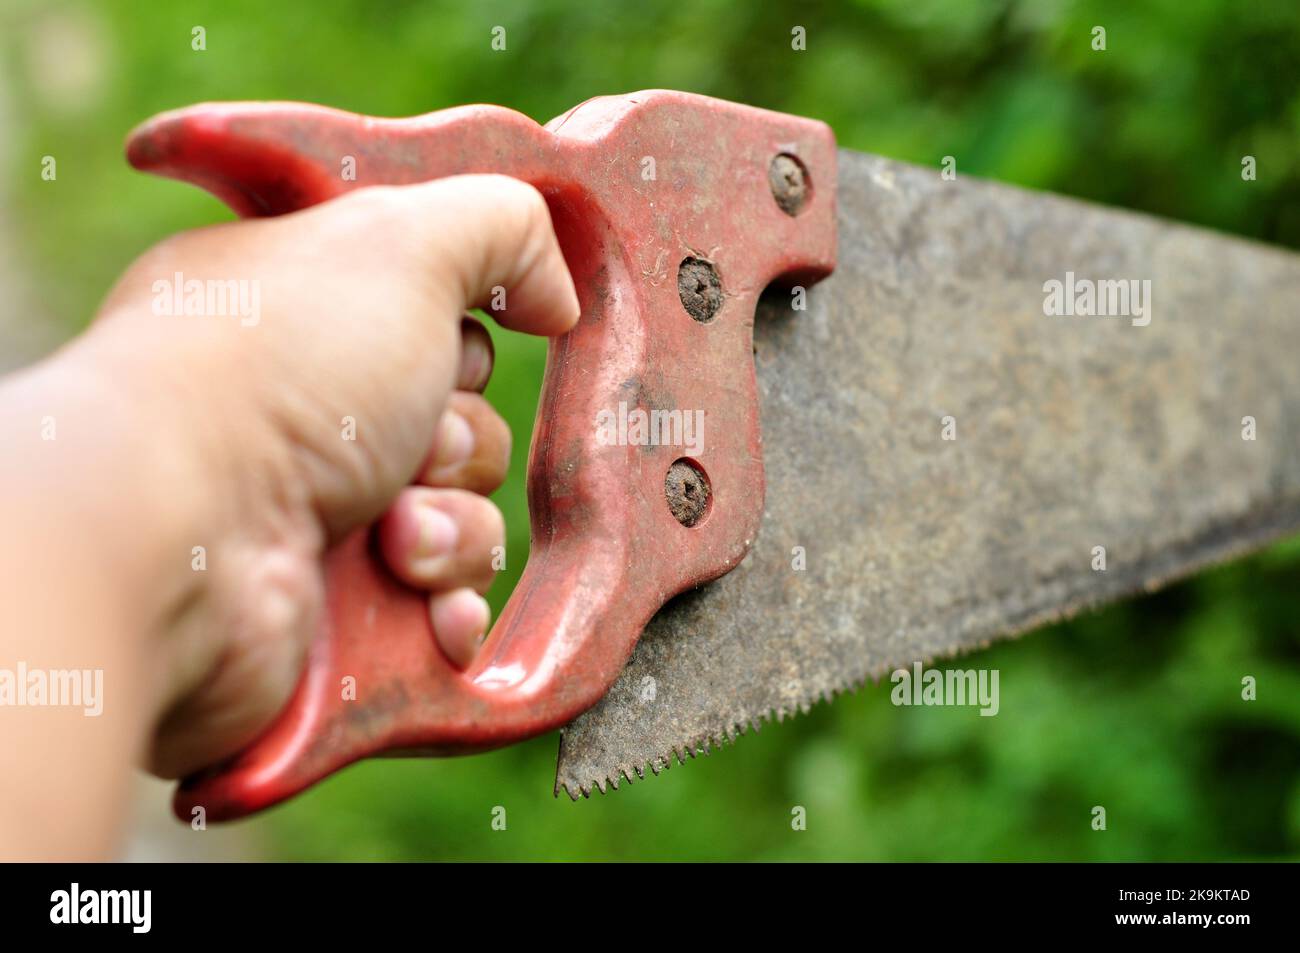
x=438, y=533
x=450, y=613
x=455, y=442
x=477, y=355
x=486, y=610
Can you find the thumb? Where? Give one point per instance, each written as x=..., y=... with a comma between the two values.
x=491, y=241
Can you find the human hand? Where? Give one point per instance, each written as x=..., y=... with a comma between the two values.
x=249, y=451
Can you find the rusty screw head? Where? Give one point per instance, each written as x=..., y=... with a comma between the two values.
x=700, y=289
x=688, y=492
x=789, y=181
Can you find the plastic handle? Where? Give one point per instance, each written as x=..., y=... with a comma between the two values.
x=607, y=548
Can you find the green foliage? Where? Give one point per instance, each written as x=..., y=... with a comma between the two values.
x=1137, y=709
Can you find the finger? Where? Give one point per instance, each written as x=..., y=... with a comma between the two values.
x=269, y=628
x=476, y=355
x=442, y=539
x=240, y=699
x=473, y=447
x=460, y=620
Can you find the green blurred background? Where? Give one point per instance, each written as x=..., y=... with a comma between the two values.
x=1137, y=708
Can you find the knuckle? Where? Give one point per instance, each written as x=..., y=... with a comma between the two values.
x=375, y=203
x=163, y=254
x=519, y=201
x=534, y=210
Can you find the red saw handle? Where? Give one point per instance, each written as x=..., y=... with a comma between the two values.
x=637, y=185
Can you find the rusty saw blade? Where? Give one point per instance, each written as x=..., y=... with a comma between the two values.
x=947, y=456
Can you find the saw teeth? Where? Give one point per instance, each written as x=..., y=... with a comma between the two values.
x=702, y=747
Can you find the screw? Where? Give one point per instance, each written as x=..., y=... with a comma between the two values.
x=699, y=288
x=688, y=492
x=789, y=181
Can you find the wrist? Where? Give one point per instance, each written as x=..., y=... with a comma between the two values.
x=100, y=465
x=168, y=506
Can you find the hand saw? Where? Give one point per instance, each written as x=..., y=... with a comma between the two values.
x=993, y=387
